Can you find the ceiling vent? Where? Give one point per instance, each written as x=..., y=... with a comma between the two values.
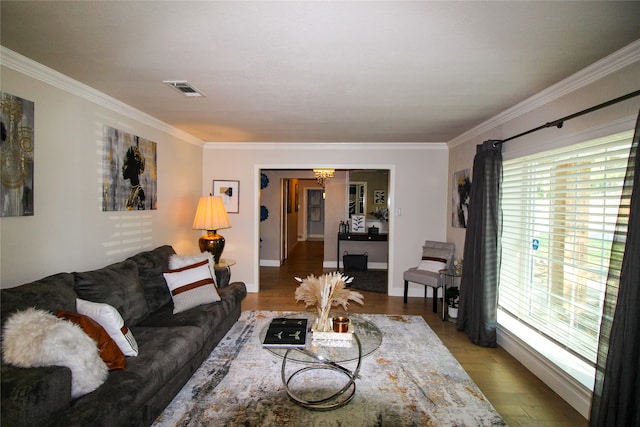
x=184, y=87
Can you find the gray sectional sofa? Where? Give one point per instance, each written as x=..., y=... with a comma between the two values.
x=171, y=346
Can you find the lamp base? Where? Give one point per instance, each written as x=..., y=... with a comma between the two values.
x=212, y=242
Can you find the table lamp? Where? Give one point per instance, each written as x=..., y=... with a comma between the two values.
x=211, y=216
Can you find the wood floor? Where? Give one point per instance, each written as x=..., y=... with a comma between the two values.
x=519, y=396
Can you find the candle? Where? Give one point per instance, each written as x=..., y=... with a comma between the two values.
x=340, y=324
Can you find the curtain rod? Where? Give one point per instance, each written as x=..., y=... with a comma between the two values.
x=560, y=122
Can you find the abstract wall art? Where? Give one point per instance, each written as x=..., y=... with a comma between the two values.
x=461, y=194
x=130, y=179
x=16, y=153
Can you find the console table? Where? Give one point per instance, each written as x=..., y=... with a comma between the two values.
x=358, y=237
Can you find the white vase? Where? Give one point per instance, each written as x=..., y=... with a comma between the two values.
x=453, y=312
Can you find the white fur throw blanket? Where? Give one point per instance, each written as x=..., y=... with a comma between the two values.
x=34, y=338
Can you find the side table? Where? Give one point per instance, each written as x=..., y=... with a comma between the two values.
x=223, y=271
x=448, y=280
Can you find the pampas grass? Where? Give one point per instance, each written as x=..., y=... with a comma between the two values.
x=324, y=292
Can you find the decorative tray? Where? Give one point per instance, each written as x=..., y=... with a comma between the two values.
x=333, y=336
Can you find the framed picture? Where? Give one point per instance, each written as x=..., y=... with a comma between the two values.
x=357, y=223
x=287, y=194
x=230, y=193
x=379, y=197
x=461, y=193
x=17, y=143
x=297, y=199
x=130, y=172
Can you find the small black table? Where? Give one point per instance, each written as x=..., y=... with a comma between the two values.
x=358, y=237
x=223, y=271
x=448, y=278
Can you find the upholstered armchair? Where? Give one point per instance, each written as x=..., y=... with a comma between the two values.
x=436, y=256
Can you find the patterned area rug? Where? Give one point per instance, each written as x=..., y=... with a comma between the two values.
x=410, y=380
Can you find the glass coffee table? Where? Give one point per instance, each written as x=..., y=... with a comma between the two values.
x=322, y=355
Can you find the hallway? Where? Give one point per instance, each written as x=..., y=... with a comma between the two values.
x=306, y=258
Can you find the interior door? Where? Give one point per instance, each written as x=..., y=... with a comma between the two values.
x=315, y=213
x=284, y=225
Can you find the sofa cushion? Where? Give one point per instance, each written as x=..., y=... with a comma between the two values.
x=109, y=350
x=151, y=265
x=191, y=286
x=427, y=278
x=432, y=264
x=178, y=261
x=206, y=317
x=164, y=352
x=116, y=285
x=112, y=322
x=442, y=253
x=51, y=293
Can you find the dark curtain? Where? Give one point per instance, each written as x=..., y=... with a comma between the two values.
x=616, y=395
x=479, y=283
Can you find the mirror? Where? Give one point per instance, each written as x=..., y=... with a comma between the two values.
x=357, y=198
x=369, y=194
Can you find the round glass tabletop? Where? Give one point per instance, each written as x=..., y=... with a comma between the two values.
x=337, y=351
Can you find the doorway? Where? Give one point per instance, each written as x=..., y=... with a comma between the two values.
x=315, y=214
x=333, y=209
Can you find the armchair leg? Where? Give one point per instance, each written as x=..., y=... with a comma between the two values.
x=406, y=290
x=435, y=300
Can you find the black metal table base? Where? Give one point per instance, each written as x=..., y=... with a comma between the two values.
x=333, y=401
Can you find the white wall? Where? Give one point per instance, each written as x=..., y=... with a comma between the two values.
x=69, y=231
x=614, y=76
x=418, y=188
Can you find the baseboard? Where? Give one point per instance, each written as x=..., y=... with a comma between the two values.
x=370, y=265
x=326, y=264
x=574, y=393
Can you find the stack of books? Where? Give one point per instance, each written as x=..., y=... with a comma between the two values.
x=286, y=333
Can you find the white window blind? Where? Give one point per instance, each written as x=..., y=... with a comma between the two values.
x=559, y=214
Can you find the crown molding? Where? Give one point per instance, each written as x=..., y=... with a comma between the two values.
x=35, y=70
x=588, y=75
x=320, y=146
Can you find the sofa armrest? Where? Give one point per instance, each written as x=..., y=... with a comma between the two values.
x=34, y=396
x=237, y=291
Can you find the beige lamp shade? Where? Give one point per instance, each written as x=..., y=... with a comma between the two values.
x=211, y=216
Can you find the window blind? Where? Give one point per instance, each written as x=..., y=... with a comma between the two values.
x=559, y=214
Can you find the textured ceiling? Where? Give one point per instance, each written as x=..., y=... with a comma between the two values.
x=320, y=71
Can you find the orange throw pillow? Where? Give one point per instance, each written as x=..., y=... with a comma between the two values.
x=109, y=350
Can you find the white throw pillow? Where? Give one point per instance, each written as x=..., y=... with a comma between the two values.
x=433, y=265
x=178, y=261
x=191, y=286
x=109, y=318
x=34, y=338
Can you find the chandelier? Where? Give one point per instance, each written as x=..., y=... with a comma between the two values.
x=323, y=175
